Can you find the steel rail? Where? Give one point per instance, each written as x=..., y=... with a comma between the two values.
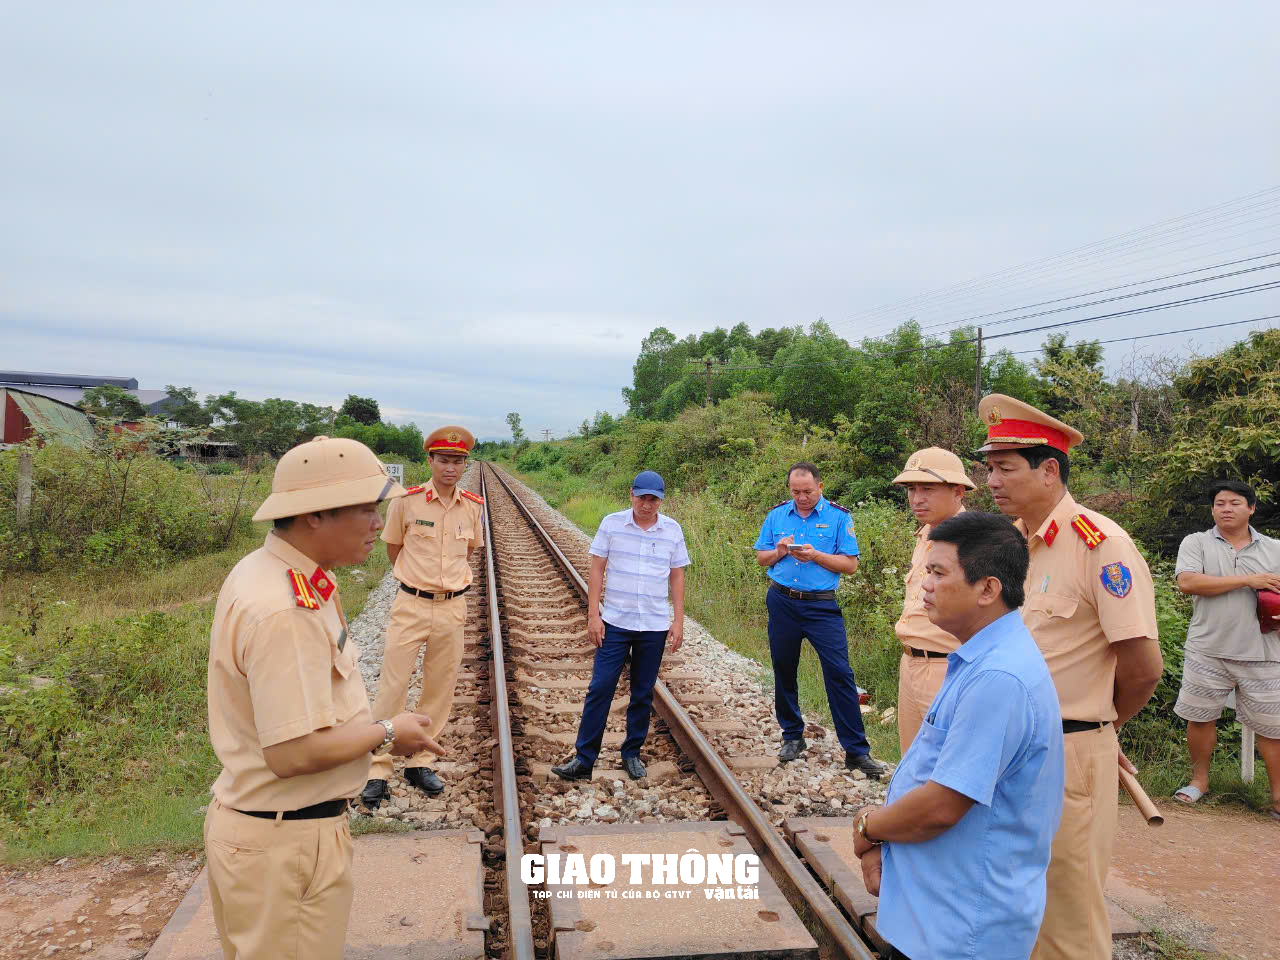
x=505, y=794
x=786, y=868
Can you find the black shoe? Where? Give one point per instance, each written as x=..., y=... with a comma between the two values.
x=374, y=792
x=425, y=779
x=873, y=768
x=575, y=769
x=791, y=749
x=634, y=768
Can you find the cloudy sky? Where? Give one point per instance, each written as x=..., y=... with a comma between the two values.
x=463, y=210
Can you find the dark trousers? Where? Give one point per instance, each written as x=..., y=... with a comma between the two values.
x=645, y=647
x=790, y=623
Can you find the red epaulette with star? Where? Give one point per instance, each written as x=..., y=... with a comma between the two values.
x=1088, y=532
x=472, y=496
x=410, y=491
x=302, y=590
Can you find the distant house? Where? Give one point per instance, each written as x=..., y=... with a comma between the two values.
x=69, y=388
x=24, y=414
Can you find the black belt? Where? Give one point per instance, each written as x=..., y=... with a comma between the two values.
x=435, y=596
x=803, y=594
x=317, y=811
x=1079, y=726
x=913, y=651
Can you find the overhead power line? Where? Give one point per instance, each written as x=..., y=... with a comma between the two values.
x=1164, y=333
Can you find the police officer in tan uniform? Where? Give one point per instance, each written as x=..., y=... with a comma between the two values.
x=1090, y=605
x=936, y=484
x=288, y=714
x=430, y=535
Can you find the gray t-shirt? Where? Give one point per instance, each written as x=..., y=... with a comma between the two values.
x=1226, y=626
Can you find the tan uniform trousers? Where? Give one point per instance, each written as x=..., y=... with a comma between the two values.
x=1076, y=925
x=416, y=621
x=919, y=680
x=280, y=890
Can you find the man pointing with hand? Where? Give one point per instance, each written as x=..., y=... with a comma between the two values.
x=644, y=553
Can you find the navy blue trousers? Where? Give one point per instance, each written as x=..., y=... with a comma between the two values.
x=645, y=647
x=790, y=622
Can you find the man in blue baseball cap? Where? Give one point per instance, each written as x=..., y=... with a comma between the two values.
x=644, y=553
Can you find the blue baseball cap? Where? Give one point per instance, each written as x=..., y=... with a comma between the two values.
x=649, y=483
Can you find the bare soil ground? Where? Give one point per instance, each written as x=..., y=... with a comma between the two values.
x=110, y=909
x=1210, y=876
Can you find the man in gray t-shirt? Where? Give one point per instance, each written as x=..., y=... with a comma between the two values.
x=1223, y=568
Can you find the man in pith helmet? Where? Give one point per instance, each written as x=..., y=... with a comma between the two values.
x=430, y=536
x=936, y=484
x=1090, y=605
x=288, y=715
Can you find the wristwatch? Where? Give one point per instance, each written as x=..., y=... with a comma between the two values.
x=861, y=826
x=389, y=738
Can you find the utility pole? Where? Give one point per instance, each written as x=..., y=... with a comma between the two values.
x=977, y=380
x=708, y=363
x=546, y=435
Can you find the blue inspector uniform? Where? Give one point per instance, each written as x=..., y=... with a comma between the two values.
x=801, y=602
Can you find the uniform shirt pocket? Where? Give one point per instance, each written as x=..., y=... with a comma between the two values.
x=1046, y=615
x=349, y=695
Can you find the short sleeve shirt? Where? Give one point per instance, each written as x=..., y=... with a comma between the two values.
x=638, y=567
x=828, y=529
x=914, y=628
x=1227, y=626
x=279, y=671
x=994, y=734
x=435, y=537
x=1084, y=592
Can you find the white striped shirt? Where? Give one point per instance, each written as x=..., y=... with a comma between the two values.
x=639, y=565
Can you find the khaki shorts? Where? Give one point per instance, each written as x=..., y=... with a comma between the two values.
x=1208, y=681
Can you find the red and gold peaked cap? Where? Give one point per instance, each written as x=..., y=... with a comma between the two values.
x=450, y=440
x=1012, y=425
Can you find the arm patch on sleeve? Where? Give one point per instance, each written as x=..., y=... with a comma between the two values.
x=1116, y=579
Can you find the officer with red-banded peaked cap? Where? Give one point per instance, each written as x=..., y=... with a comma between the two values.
x=1090, y=605
x=288, y=715
x=430, y=536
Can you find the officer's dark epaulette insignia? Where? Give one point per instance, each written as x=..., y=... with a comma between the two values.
x=410, y=491
x=302, y=591
x=471, y=496
x=838, y=507
x=777, y=505
x=1089, y=533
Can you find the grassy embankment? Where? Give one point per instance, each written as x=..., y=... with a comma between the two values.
x=719, y=488
x=102, y=698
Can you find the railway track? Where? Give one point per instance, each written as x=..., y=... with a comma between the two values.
x=529, y=671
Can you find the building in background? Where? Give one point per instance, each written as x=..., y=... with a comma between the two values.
x=69, y=388
x=24, y=414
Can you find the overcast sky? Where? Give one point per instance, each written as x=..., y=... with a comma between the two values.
x=462, y=210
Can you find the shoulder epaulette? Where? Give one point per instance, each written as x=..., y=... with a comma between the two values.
x=832, y=503
x=471, y=496
x=777, y=505
x=410, y=491
x=302, y=591
x=1088, y=532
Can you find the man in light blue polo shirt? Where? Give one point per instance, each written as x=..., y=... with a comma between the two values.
x=644, y=553
x=959, y=852
x=806, y=543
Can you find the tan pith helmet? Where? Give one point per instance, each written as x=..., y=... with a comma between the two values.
x=323, y=474
x=934, y=465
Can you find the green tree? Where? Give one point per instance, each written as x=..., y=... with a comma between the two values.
x=187, y=410
x=517, y=431
x=361, y=409
x=269, y=426
x=111, y=402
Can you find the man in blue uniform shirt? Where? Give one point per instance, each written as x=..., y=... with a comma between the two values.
x=806, y=543
x=968, y=824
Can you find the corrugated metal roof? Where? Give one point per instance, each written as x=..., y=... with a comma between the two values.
x=20, y=378
x=56, y=422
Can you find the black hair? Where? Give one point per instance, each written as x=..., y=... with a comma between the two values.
x=988, y=545
x=1035, y=456
x=1234, y=486
x=807, y=467
x=284, y=523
